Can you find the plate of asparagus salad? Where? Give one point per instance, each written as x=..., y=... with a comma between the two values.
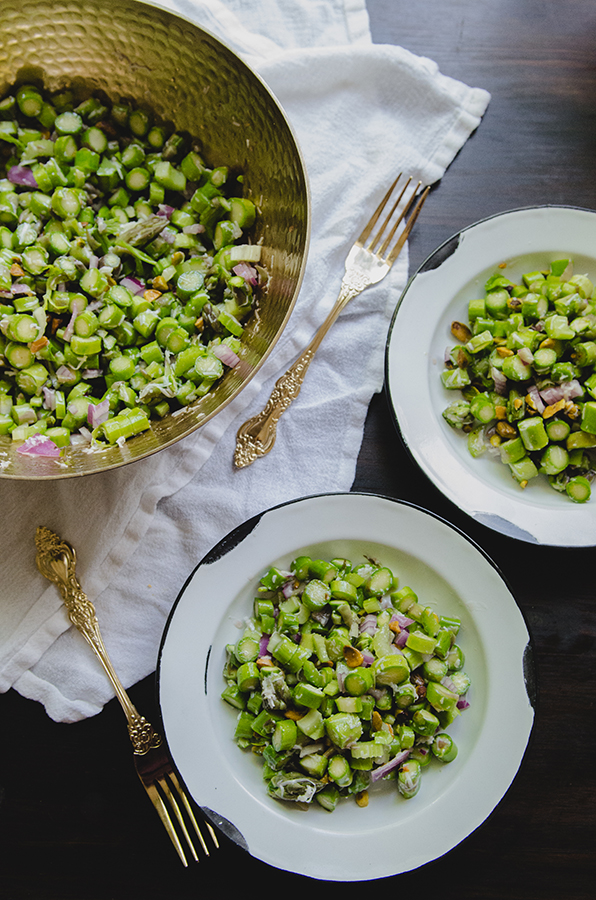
x=332, y=686
x=495, y=398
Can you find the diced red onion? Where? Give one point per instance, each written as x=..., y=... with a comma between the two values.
x=164, y=210
x=289, y=589
x=534, y=393
x=552, y=395
x=18, y=288
x=49, y=396
x=341, y=671
x=462, y=703
x=226, y=354
x=526, y=355
x=246, y=271
x=367, y=658
x=66, y=375
x=401, y=638
x=39, y=445
x=133, y=284
x=499, y=379
x=23, y=176
x=448, y=683
x=567, y=390
x=69, y=330
x=264, y=640
x=97, y=413
x=381, y=771
x=368, y=624
x=402, y=621
x=572, y=389
x=84, y=432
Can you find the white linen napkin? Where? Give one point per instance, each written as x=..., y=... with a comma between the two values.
x=362, y=113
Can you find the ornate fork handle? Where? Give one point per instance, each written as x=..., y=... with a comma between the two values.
x=56, y=560
x=365, y=265
x=257, y=436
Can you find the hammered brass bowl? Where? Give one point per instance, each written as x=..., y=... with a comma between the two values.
x=193, y=82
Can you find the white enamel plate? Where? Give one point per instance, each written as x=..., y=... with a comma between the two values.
x=512, y=243
x=390, y=835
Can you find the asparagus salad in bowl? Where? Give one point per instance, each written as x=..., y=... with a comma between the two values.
x=332, y=684
x=124, y=283
x=154, y=220
x=496, y=396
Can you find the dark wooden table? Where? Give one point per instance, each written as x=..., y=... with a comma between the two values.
x=75, y=823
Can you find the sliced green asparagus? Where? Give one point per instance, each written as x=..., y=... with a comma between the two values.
x=526, y=369
x=341, y=679
x=116, y=269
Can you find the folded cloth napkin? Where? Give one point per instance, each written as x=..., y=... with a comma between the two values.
x=362, y=113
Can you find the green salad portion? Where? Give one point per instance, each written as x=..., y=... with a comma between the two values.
x=126, y=273
x=525, y=369
x=342, y=679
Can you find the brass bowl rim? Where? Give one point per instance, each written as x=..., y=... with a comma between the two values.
x=56, y=473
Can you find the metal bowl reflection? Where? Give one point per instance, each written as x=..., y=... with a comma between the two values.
x=190, y=80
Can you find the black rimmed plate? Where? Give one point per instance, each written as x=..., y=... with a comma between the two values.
x=391, y=835
x=512, y=243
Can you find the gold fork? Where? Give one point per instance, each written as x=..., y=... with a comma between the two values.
x=364, y=266
x=56, y=560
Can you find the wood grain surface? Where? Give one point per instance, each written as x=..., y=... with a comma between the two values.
x=75, y=824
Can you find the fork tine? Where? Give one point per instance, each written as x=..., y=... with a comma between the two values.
x=375, y=216
x=164, y=815
x=162, y=782
x=389, y=216
x=408, y=227
x=191, y=815
x=213, y=835
x=398, y=221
